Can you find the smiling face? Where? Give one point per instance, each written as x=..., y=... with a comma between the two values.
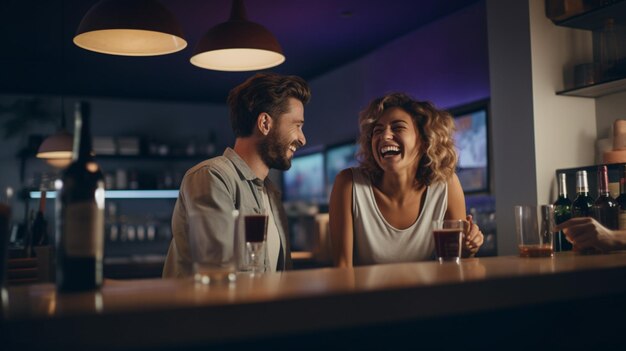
x=284, y=138
x=395, y=141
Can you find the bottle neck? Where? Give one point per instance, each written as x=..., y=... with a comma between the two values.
x=562, y=186
x=82, y=133
x=603, y=182
x=42, y=202
x=609, y=25
x=582, y=188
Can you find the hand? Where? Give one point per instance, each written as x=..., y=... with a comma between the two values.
x=473, y=239
x=586, y=232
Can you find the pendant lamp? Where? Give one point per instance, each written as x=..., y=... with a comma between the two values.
x=56, y=149
x=130, y=28
x=238, y=45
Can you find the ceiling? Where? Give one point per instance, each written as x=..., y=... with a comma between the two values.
x=317, y=36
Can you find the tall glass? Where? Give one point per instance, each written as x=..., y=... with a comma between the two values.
x=256, y=241
x=534, y=240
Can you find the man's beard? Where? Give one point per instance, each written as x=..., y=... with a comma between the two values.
x=274, y=151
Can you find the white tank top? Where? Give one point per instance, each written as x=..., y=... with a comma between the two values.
x=376, y=241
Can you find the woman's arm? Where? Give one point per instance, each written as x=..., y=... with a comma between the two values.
x=456, y=210
x=340, y=217
x=456, y=199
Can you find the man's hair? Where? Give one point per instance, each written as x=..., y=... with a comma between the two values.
x=263, y=92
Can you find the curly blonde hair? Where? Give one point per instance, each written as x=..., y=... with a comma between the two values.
x=436, y=130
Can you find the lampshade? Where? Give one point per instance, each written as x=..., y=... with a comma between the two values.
x=130, y=28
x=238, y=45
x=57, y=149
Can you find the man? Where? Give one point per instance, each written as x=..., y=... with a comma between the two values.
x=267, y=115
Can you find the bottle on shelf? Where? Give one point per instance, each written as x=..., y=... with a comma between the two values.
x=191, y=147
x=123, y=225
x=605, y=209
x=28, y=235
x=608, y=48
x=40, y=242
x=583, y=203
x=210, y=146
x=562, y=212
x=133, y=180
x=621, y=200
x=121, y=179
x=112, y=228
x=40, y=224
x=80, y=213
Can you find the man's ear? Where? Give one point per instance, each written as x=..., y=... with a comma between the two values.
x=264, y=123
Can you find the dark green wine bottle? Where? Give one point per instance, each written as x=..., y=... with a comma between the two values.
x=562, y=212
x=583, y=204
x=621, y=200
x=80, y=214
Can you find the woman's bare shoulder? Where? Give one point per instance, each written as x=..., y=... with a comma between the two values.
x=344, y=177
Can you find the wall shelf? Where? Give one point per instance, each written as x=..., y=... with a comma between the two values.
x=596, y=90
x=594, y=19
x=117, y=157
x=121, y=194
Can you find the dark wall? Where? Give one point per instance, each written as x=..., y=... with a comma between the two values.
x=445, y=62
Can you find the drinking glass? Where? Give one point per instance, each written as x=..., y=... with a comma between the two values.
x=448, y=235
x=533, y=240
x=212, y=247
x=256, y=239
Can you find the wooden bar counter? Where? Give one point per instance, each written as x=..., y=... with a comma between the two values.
x=504, y=301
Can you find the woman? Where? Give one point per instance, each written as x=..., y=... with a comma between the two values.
x=382, y=211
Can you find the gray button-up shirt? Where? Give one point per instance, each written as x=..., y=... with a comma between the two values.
x=216, y=187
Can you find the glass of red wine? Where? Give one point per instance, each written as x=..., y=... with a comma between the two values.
x=255, y=227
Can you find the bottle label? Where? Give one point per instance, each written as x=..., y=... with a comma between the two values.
x=614, y=189
x=622, y=219
x=84, y=230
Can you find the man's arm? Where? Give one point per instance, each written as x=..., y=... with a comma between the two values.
x=586, y=232
x=209, y=206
